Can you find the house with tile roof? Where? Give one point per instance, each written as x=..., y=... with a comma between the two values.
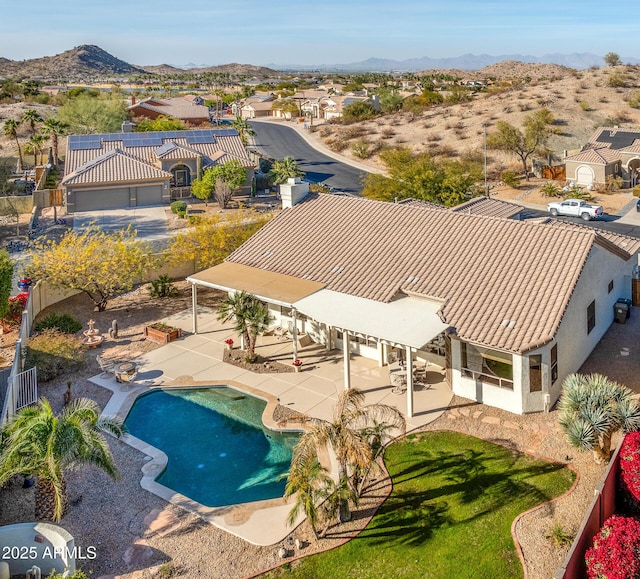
x=190, y=110
x=115, y=170
x=509, y=308
x=611, y=152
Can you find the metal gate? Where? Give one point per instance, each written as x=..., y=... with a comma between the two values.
x=22, y=391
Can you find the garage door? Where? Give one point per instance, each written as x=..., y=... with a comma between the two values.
x=107, y=199
x=584, y=176
x=151, y=195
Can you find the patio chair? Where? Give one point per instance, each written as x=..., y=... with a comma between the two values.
x=399, y=383
x=108, y=368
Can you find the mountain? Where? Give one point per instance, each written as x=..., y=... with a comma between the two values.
x=79, y=62
x=464, y=62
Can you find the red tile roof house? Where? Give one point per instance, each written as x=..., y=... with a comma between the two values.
x=509, y=308
x=117, y=170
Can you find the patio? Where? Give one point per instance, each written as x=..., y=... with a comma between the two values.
x=197, y=359
x=313, y=390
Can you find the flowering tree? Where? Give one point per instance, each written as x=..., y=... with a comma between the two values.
x=100, y=264
x=616, y=550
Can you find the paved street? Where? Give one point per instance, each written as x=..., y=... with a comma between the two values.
x=279, y=141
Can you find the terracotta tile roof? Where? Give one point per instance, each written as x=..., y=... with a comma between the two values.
x=420, y=203
x=488, y=207
x=601, y=155
x=115, y=166
x=185, y=111
x=494, y=276
x=229, y=144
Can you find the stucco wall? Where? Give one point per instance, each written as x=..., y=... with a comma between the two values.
x=574, y=344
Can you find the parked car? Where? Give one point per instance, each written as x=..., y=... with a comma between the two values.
x=638, y=205
x=575, y=208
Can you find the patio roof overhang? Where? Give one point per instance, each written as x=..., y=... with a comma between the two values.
x=407, y=321
x=268, y=286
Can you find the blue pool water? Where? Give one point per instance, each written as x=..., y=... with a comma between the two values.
x=218, y=449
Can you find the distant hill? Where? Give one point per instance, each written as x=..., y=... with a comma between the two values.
x=233, y=69
x=79, y=62
x=464, y=62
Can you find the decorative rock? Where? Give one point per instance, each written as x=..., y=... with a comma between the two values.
x=465, y=411
x=491, y=420
x=282, y=553
x=511, y=425
x=477, y=414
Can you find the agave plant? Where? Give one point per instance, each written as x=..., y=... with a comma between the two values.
x=594, y=407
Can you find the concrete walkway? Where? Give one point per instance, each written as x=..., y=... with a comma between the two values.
x=313, y=391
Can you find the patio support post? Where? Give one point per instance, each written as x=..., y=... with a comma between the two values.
x=194, y=306
x=294, y=333
x=409, y=382
x=347, y=368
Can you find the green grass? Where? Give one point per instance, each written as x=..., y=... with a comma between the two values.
x=449, y=515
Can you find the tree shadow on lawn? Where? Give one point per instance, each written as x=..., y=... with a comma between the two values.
x=410, y=517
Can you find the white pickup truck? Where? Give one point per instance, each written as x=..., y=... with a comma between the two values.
x=575, y=208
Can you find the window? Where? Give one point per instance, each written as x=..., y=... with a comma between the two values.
x=610, y=288
x=554, y=363
x=591, y=316
x=490, y=366
x=535, y=373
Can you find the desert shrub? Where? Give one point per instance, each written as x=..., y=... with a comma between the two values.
x=584, y=105
x=509, y=178
x=471, y=155
x=337, y=145
x=611, y=185
x=361, y=148
x=550, y=190
x=559, y=535
x=387, y=133
x=576, y=192
x=629, y=478
x=634, y=100
x=178, y=207
x=77, y=574
x=615, y=551
x=162, y=287
x=354, y=132
x=53, y=354
x=636, y=191
x=64, y=323
x=358, y=111
x=618, y=117
x=617, y=80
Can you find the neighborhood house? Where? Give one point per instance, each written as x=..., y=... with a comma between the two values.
x=118, y=170
x=508, y=308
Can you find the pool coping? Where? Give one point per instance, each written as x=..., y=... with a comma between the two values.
x=261, y=523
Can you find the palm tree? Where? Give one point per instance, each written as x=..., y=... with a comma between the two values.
x=54, y=129
x=37, y=442
x=283, y=170
x=10, y=130
x=31, y=117
x=35, y=146
x=349, y=438
x=250, y=316
x=243, y=127
x=594, y=407
x=310, y=484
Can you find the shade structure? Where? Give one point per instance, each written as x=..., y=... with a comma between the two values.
x=407, y=321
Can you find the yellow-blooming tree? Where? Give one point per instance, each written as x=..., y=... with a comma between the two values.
x=214, y=238
x=98, y=263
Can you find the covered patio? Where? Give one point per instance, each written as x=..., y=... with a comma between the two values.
x=399, y=328
x=313, y=390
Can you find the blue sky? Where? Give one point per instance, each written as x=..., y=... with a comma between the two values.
x=320, y=32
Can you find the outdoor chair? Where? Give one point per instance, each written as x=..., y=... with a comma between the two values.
x=107, y=367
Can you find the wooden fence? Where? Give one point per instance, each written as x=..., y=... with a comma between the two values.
x=557, y=173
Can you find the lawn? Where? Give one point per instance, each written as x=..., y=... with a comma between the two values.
x=450, y=513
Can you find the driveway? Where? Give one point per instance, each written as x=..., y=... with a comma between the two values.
x=149, y=222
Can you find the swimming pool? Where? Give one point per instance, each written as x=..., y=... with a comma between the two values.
x=219, y=452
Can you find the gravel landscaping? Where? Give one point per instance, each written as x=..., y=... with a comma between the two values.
x=137, y=534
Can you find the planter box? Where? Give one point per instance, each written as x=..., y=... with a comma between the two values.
x=162, y=336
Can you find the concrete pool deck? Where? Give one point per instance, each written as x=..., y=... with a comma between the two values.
x=197, y=360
